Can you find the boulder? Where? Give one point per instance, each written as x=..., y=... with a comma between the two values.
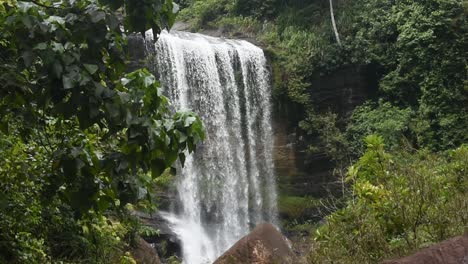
x=264, y=245
x=452, y=251
x=166, y=242
x=144, y=253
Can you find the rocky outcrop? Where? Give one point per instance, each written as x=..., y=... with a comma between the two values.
x=264, y=245
x=144, y=253
x=136, y=52
x=299, y=173
x=452, y=251
x=166, y=242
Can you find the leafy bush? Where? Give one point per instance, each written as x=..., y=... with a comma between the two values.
x=390, y=122
x=331, y=139
x=245, y=26
x=201, y=12
x=20, y=199
x=402, y=201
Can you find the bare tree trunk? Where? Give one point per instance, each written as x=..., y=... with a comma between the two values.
x=334, y=24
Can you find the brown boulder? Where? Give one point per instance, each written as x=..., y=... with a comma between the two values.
x=452, y=251
x=144, y=253
x=264, y=245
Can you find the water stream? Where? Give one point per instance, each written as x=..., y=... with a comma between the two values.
x=228, y=186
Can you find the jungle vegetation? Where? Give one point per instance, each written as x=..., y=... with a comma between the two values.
x=82, y=140
x=402, y=154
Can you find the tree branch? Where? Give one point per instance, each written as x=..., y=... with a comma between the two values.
x=334, y=24
x=43, y=5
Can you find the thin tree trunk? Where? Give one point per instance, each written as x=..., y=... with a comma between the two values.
x=334, y=24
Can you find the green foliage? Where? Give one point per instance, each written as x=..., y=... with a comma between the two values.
x=416, y=47
x=20, y=198
x=293, y=207
x=256, y=8
x=173, y=260
x=147, y=231
x=165, y=180
x=201, y=12
x=330, y=138
x=103, y=237
x=81, y=138
x=421, y=49
x=390, y=122
x=244, y=26
x=401, y=201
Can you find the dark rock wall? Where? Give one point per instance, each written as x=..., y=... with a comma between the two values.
x=137, y=52
x=343, y=90
x=300, y=173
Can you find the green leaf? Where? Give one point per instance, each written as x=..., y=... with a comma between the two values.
x=97, y=16
x=103, y=203
x=175, y=8
x=54, y=22
x=91, y=68
x=182, y=158
x=25, y=6
x=125, y=81
x=189, y=120
x=27, y=57
x=58, y=47
x=67, y=82
x=114, y=4
x=41, y=46
x=57, y=69
x=56, y=19
x=4, y=127
x=85, y=229
x=148, y=80
x=158, y=166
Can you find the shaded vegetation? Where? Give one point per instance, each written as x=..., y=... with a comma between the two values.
x=401, y=201
x=82, y=141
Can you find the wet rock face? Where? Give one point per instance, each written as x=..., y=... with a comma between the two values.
x=344, y=89
x=264, y=245
x=137, y=52
x=299, y=172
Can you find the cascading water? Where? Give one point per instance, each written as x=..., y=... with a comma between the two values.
x=228, y=185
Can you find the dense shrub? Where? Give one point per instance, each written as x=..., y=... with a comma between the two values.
x=201, y=13
x=402, y=201
x=390, y=122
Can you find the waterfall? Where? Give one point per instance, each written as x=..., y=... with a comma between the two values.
x=228, y=186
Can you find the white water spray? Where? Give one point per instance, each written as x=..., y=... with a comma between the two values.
x=228, y=186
